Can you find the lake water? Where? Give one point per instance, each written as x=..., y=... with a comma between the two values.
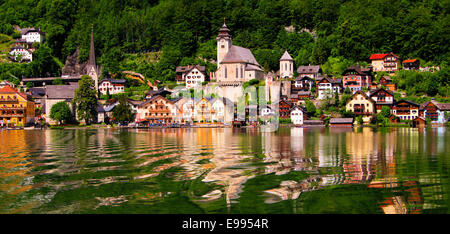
x=206, y=170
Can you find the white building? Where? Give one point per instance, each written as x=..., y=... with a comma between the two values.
x=194, y=77
x=286, y=66
x=328, y=87
x=111, y=85
x=266, y=111
x=31, y=35
x=21, y=53
x=188, y=109
x=297, y=115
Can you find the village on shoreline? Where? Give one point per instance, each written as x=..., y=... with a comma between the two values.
x=238, y=94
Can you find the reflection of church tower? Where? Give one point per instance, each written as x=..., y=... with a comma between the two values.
x=223, y=43
x=286, y=66
x=91, y=67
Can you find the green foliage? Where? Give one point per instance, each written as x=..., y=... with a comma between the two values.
x=85, y=99
x=333, y=33
x=359, y=120
x=57, y=81
x=310, y=107
x=122, y=112
x=385, y=111
x=61, y=112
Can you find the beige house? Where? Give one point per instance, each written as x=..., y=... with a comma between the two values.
x=235, y=64
x=361, y=105
x=156, y=110
x=385, y=62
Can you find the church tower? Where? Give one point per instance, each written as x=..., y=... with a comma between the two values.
x=91, y=66
x=286, y=66
x=223, y=43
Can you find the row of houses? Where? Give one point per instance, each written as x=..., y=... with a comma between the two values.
x=370, y=103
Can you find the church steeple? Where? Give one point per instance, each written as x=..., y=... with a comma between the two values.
x=92, y=49
x=223, y=43
x=91, y=66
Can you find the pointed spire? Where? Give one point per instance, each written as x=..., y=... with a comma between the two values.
x=286, y=57
x=224, y=31
x=92, y=49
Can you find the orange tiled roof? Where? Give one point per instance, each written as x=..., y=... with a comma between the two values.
x=8, y=89
x=409, y=60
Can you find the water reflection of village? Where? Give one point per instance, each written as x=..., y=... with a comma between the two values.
x=227, y=157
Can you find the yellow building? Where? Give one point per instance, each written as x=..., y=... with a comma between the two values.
x=203, y=111
x=16, y=109
x=361, y=104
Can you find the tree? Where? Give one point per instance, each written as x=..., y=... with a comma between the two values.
x=310, y=107
x=57, y=81
x=123, y=112
x=61, y=112
x=85, y=99
x=385, y=111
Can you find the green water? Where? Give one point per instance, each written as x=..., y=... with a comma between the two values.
x=298, y=170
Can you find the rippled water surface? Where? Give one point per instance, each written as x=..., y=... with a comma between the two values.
x=294, y=170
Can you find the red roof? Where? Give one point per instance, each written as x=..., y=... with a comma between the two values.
x=8, y=89
x=377, y=56
x=410, y=61
x=380, y=56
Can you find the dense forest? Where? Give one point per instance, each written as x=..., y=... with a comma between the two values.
x=329, y=32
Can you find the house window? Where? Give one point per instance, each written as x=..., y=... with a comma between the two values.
x=226, y=72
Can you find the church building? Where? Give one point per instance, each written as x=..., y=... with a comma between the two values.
x=235, y=64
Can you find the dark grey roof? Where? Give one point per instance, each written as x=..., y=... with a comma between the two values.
x=308, y=69
x=37, y=91
x=237, y=54
x=113, y=81
x=188, y=68
x=61, y=91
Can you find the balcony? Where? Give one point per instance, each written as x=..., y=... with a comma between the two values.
x=8, y=100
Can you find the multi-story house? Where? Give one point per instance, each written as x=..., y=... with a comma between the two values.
x=386, y=81
x=406, y=110
x=356, y=78
x=223, y=110
x=16, y=108
x=411, y=64
x=312, y=71
x=436, y=112
x=192, y=76
x=204, y=111
x=284, y=108
x=328, y=87
x=361, y=105
x=31, y=35
x=20, y=53
x=385, y=62
x=304, y=83
x=188, y=110
x=112, y=86
x=156, y=110
x=298, y=115
x=382, y=98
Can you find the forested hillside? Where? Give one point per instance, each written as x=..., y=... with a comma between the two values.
x=185, y=31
